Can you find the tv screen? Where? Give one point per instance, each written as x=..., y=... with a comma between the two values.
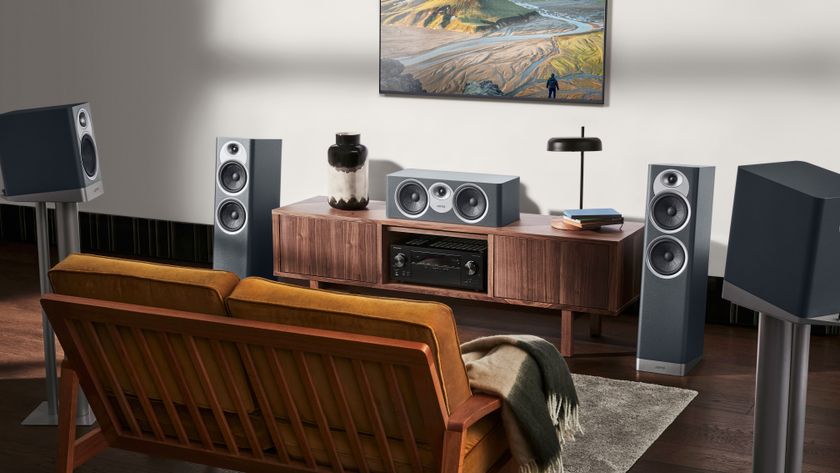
x=538, y=50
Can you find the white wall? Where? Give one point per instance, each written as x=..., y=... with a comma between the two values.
x=716, y=82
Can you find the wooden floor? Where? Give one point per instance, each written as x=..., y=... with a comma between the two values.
x=714, y=434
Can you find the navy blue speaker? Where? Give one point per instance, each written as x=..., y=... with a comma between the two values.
x=49, y=155
x=784, y=243
x=674, y=279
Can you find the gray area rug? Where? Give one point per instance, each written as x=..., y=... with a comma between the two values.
x=620, y=420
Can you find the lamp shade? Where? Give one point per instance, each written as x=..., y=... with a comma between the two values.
x=575, y=144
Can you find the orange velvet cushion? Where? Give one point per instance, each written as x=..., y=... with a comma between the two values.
x=427, y=322
x=136, y=282
x=163, y=286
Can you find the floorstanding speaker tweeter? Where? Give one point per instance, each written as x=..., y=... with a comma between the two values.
x=675, y=273
x=247, y=190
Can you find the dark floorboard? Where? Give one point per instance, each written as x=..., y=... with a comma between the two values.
x=714, y=434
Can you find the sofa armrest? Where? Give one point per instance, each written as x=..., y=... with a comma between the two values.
x=471, y=411
x=468, y=413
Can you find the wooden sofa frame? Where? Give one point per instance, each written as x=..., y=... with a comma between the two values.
x=76, y=321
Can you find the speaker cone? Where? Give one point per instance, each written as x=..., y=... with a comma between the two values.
x=232, y=216
x=669, y=211
x=470, y=203
x=666, y=257
x=233, y=177
x=412, y=198
x=88, y=150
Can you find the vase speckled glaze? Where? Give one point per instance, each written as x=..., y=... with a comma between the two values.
x=348, y=173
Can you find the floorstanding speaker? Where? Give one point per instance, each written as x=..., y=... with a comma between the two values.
x=675, y=273
x=247, y=190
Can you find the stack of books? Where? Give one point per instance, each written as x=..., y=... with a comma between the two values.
x=587, y=219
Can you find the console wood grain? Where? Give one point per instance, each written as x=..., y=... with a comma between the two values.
x=338, y=249
x=529, y=263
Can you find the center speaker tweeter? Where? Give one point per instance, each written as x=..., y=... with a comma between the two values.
x=675, y=274
x=453, y=197
x=247, y=190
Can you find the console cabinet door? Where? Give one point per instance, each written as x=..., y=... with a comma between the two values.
x=552, y=272
x=328, y=247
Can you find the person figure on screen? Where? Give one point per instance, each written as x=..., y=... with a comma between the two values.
x=552, y=85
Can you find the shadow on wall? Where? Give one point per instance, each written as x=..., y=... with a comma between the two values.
x=379, y=169
x=527, y=204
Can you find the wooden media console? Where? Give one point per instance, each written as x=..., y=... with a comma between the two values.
x=529, y=263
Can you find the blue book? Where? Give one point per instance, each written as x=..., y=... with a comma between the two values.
x=592, y=213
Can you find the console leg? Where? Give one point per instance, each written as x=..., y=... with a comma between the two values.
x=594, y=325
x=314, y=284
x=567, y=333
x=772, y=394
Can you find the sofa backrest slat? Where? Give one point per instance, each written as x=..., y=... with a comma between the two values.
x=331, y=367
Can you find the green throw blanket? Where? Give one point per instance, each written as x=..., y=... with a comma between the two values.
x=540, y=410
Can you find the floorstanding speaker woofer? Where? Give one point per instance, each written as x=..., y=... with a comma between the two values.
x=232, y=216
x=247, y=190
x=233, y=177
x=670, y=211
x=49, y=155
x=672, y=311
x=412, y=199
x=666, y=257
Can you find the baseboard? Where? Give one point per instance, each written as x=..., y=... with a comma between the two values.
x=121, y=236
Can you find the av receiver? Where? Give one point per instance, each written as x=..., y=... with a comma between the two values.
x=440, y=261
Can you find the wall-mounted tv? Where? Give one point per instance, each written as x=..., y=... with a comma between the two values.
x=533, y=50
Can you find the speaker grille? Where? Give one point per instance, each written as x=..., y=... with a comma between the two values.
x=412, y=198
x=470, y=203
x=89, y=156
x=669, y=211
x=231, y=216
x=666, y=257
x=233, y=177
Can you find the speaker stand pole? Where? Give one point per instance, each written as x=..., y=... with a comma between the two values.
x=780, y=390
x=67, y=230
x=47, y=412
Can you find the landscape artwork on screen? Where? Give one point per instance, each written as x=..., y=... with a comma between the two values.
x=547, y=50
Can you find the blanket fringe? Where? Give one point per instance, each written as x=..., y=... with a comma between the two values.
x=565, y=418
x=556, y=466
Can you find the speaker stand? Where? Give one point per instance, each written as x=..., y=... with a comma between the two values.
x=67, y=226
x=780, y=392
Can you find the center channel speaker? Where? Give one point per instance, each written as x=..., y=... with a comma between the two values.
x=453, y=197
x=49, y=155
x=676, y=266
x=247, y=190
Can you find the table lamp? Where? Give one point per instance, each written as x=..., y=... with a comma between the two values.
x=582, y=144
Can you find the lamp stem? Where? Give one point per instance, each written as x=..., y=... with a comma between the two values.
x=582, y=135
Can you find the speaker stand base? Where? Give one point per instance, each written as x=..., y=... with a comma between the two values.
x=664, y=367
x=41, y=417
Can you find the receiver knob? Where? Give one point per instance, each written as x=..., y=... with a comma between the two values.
x=399, y=260
x=472, y=268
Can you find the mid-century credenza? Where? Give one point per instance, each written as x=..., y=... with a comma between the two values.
x=529, y=263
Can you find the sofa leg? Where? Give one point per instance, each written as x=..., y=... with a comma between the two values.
x=67, y=399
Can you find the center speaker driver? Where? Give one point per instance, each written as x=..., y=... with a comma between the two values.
x=247, y=190
x=453, y=197
x=673, y=301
